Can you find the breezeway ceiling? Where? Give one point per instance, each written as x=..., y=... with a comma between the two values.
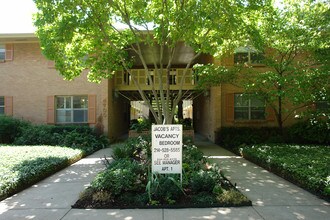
x=183, y=54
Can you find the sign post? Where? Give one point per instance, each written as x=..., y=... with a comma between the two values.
x=167, y=149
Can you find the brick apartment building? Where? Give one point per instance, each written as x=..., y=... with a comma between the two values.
x=32, y=89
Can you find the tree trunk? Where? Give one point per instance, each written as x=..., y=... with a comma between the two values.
x=180, y=110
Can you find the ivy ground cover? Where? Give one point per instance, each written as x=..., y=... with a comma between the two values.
x=306, y=166
x=22, y=166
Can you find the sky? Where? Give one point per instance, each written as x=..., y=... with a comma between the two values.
x=16, y=16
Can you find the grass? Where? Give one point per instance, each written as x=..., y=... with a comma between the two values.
x=22, y=166
x=306, y=166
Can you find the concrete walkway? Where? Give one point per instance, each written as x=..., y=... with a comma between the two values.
x=272, y=197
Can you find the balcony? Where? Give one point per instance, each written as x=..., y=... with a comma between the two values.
x=124, y=82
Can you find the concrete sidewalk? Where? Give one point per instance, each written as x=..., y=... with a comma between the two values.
x=272, y=197
x=52, y=198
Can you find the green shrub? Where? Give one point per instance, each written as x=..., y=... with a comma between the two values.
x=77, y=137
x=312, y=131
x=234, y=137
x=307, y=166
x=68, y=128
x=36, y=135
x=326, y=190
x=10, y=128
x=140, y=125
x=165, y=189
x=22, y=166
x=121, y=176
x=192, y=154
x=128, y=180
x=134, y=148
x=217, y=190
x=202, y=182
x=122, y=151
x=88, y=142
x=203, y=198
x=193, y=158
x=132, y=199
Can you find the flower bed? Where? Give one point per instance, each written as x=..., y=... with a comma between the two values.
x=128, y=183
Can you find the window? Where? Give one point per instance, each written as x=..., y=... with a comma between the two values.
x=71, y=109
x=2, y=52
x=248, y=107
x=248, y=55
x=2, y=105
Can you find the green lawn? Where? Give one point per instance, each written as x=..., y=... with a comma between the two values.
x=307, y=166
x=22, y=166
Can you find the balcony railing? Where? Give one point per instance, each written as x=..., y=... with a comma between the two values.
x=123, y=79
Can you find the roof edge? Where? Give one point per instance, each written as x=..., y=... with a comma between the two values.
x=17, y=35
x=18, y=38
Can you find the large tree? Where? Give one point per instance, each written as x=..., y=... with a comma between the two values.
x=294, y=34
x=294, y=37
x=84, y=35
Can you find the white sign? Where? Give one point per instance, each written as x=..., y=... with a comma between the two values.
x=166, y=149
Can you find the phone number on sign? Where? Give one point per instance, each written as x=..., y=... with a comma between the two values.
x=166, y=150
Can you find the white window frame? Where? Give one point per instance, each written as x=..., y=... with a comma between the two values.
x=249, y=108
x=2, y=106
x=71, y=109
